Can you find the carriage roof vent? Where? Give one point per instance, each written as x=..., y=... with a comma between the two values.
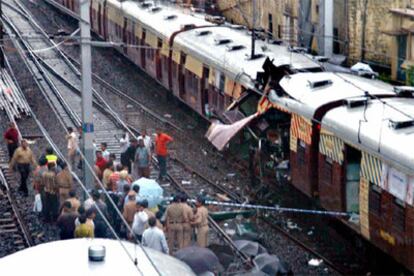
x=319, y=83
x=237, y=27
x=203, y=32
x=197, y=10
x=405, y=91
x=297, y=49
x=222, y=40
x=235, y=47
x=170, y=17
x=356, y=102
x=401, y=124
x=275, y=41
x=156, y=9
x=187, y=26
x=146, y=4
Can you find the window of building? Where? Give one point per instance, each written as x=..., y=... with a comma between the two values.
x=375, y=199
x=398, y=215
x=270, y=28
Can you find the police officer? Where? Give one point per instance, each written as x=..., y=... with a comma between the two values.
x=51, y=157
x=188, y=218
x=174, y=217
x=201, y=222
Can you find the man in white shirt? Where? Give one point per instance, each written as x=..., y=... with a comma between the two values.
x=105, y=152
x=154, y=237
x=147, y=140
x=72, y=146
x=140, y=220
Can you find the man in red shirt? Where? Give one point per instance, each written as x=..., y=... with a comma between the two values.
x=12, y=139
x=161, y=142
x=100, y=163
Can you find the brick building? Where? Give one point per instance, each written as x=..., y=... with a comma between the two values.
x=360, y=27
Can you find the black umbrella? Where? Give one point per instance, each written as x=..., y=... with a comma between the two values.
x=200, y=259
x=271, y=265
x=250, y=248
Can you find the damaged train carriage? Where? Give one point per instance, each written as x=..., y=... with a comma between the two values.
x=351, y=137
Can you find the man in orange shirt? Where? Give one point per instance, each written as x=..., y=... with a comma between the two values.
x=161, y=142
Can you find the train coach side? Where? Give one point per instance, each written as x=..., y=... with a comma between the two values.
x=364, y=161
x=377, y=169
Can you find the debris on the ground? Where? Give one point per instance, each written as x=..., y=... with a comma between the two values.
x=292, y=226
x=223, y=197
x=315, y=262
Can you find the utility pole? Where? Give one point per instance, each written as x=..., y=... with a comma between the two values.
x=1, y=38
x=328, y=28
x=86, y=70
x=253, y=29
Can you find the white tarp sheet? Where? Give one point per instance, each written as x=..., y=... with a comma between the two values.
x=219, y=134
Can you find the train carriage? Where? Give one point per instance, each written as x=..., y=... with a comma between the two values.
x=364, y=161
x=386, y=171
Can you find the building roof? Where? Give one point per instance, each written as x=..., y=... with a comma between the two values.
x=70, y=257
x=404, y=12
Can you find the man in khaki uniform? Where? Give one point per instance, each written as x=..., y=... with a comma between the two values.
x=65, y=182
x=188, y=218
x=51, y=193
x=174, y=217
x=201, y=222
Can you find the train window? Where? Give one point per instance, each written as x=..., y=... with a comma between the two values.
x=222, y=82
x=327, y=171
x=398, y=215
x=375, y=199
x=301, y=151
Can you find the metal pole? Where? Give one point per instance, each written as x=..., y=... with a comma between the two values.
x=328, y=29
x=2, y=65
x=87, y=118
x=253, y=29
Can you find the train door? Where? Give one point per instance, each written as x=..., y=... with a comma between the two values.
x=204, y=92
x=352, y=179
x=142, y=50
x=100, y=20
x=105, y=21
x=181, y=78
x=125, y=35
x=158, y=66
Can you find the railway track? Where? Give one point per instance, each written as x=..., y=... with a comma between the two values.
x=62, y=93
x=14, y=234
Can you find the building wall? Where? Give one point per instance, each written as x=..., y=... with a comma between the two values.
x=284, y=15
x=378, y=19
x=348, y=21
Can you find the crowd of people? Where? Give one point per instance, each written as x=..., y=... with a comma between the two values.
x=53, y=183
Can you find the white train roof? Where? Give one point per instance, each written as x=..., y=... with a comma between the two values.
x=233, y=63
x=313, y=90
x=70, y=257
x=371, y=129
